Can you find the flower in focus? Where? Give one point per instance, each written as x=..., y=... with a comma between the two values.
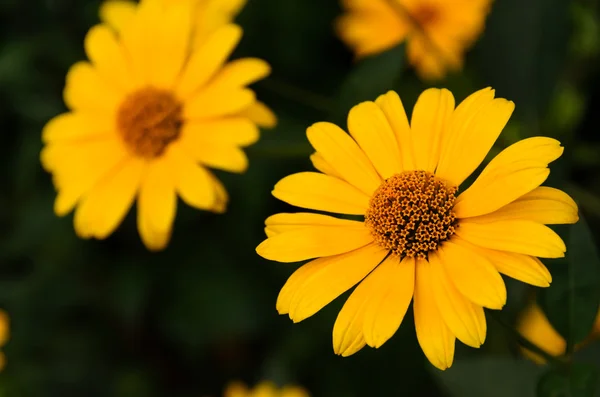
x=264, y=389
x=4, y=335
x=534, y=325
x=147, y=115
x=437, y=32
x=417, y=238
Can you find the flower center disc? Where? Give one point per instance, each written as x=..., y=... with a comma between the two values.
x=148, y=120
x=411, y=214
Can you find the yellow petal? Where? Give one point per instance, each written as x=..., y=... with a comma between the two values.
x=521, y=267
x=260, y=114
x=4, y=327
x=320, y=281
x=284, y=222
x=105, y=206
x=523, y=237
x=465, y=319
x=220, y=156
x=157, y=205
x=117, y=13
x=534, y=325
x=321, y=192
x=391, y=286
x=86, y=90
x=106, y=54
x=517, y=170
x=172, y=44
x=343, y=154
x=237, y=131
x=221, y=196
x=236, y=389
x=241, y=72
x=430, y=122
x=193, y=183
x=371, y=130
x=543, y=205
x=207, y=59
x=434, y=336
x=213, y=103
x=392, y=107
x=322, y=165
x=476, y=124
x=473, y=275
x=77, y=126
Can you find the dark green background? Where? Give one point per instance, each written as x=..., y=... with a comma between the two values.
x=108, y=318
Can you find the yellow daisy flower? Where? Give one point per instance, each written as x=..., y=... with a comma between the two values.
x=437, y=32
x=4, y=335
x=419, y=239
x=148, y=113
x=264, y=389
x=534, y=325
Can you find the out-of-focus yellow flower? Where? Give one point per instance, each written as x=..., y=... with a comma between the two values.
x=4, y=336
x=420, y=240
x=264, y=389
x=437, y=32
x=535, y=326
x=148, y=114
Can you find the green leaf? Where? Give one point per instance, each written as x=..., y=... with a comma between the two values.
x=571, y=302
x=370, y=78
x=579, y=381
x=523, y=50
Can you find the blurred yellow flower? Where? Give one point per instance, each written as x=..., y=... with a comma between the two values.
x=534, y=325
x=4, y=336
x=437, y=32
x=419, y=239
x=264, y=389
x=148, y=114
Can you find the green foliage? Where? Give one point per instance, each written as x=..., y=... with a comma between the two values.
x=579, y=380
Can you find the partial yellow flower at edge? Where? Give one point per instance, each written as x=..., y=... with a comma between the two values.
x=437, y=32
x=149, y=114
x=535, y=326
x=264, y=389
x=420, y=240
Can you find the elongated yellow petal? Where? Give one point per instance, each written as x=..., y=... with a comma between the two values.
x=534, y=325
x=156, y=205
x=429, y=123
x=85, y=90
x=193, y=183
x=242, y=72
x=543, y=205
x=322, y=165
x=343, y=154
x=473, y=275
x=371, y=130
x=476, y=124
x=117, y=13
x=107, y=56
x=391, y=105
x=77, y=126
x=465, y=319
x=207, y=59
x=517, y=170
x=391, y=286
x=313, y=242
x=260, y=114
x=237, y=131
x=434, y=336
x=221, y=196
x=215, y=102
x=105, y=206
x=321, y=192
x=319, y=282
x=523, y=237
x=220, y=156
x=284, y=222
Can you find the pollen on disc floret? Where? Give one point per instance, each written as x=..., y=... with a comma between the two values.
x=148, y=120
x=411, y=214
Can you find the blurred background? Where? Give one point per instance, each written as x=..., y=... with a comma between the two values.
x=108, y=318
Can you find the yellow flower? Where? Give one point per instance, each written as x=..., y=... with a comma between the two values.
x=437, y=32
x=148, y=114
x=264, y=389
x=4, y=335
x=419, y=239
x=534, y=325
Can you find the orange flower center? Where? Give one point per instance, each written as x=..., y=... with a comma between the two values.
x=425, y=14
x=411, y=213
x=149, y=120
